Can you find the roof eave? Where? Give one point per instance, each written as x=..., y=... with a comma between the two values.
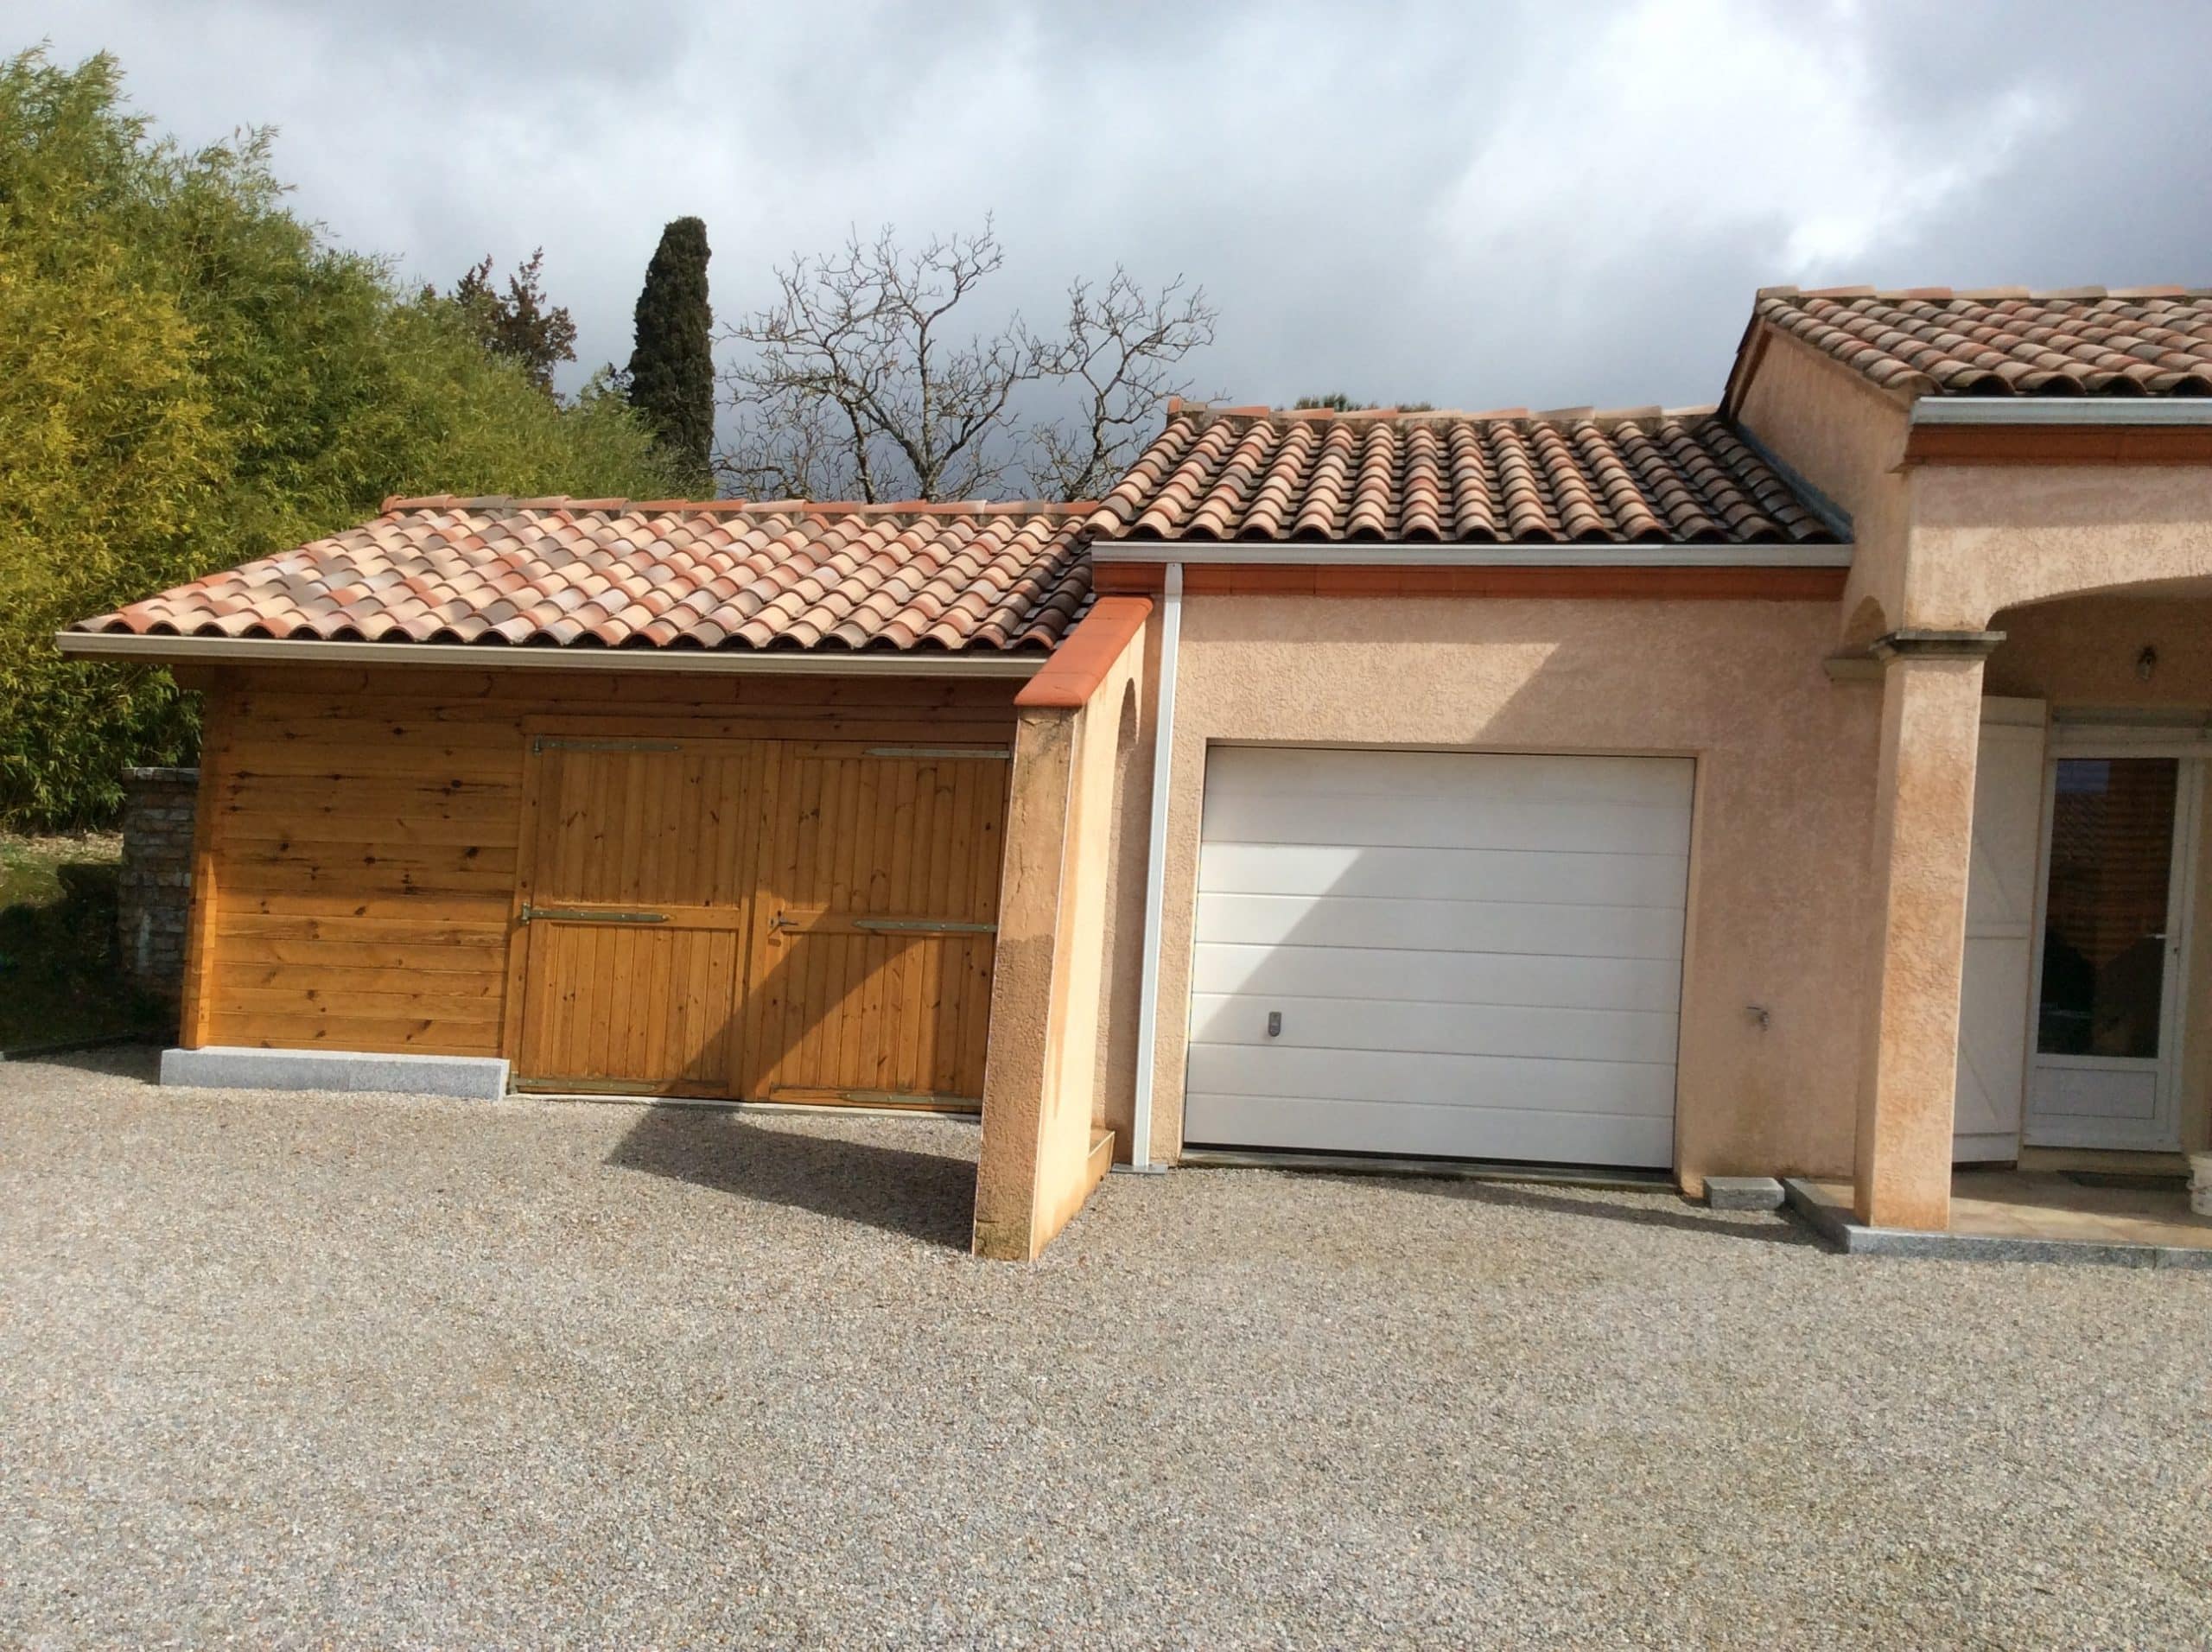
x=701, y=662
x=2166, y=410
x=1429, y=554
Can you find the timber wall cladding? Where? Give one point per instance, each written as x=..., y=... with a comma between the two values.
x=364, y=838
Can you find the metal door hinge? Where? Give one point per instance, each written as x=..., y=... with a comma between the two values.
x=587, y=915
x=554, y=743
x=922, y=926
x=987, y=752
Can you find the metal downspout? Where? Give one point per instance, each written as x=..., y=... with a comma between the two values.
x=1156, y=895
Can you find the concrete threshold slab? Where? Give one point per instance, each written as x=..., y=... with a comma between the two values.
x=220, y=1066
x=1351, y=1164
x=1854, y=1238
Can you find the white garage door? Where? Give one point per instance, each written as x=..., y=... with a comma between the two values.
x=1439, y=954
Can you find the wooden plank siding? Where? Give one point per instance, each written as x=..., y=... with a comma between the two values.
x=363, y=845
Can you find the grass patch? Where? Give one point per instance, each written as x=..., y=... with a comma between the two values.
x=60, y=968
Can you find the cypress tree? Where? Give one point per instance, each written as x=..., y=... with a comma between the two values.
x=673, y=368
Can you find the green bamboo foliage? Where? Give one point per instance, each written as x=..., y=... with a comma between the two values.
x=191, y=377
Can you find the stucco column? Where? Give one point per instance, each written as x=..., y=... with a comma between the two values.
x=1924, y=842
x=1024, y=1038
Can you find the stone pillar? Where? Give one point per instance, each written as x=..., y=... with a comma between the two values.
x=1923, y=843
x=154, y=896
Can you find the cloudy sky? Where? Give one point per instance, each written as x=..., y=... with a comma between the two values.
x=1546, y=203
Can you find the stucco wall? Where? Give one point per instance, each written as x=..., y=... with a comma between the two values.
x=1989, y=536
x=1120, y=865
x=1783, y=809
x=2080, y=656
x=1055, y=1009
x=1845, y=437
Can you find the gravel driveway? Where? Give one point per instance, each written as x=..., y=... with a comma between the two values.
x=380, y=1370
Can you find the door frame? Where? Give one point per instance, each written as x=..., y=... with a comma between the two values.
x=2120, y=740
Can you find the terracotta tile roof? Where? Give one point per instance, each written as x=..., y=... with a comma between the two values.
x=1932, y=341
x=606, y=573
x=1640, y=476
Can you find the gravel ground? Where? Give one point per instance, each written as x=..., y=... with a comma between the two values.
x=281, y=1370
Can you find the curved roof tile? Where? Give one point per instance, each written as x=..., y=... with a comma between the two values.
x=1932, y=341
x=1595, y=479
x=554, y=573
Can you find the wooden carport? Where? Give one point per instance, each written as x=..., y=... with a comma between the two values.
x=759, y=873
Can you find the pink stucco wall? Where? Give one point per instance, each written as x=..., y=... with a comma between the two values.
x=1782, y=812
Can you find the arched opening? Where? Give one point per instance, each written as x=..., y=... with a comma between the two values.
x=2114, y=863
x=1867, y=622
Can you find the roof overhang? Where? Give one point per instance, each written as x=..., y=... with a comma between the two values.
x=2059, y=430
x=1372, y=568
x=1426, y=554
x=697, y=662
x=2131, y=410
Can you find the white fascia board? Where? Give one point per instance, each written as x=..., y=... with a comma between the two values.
x=699, y=662
x=1400, y=554
x=2062, y=409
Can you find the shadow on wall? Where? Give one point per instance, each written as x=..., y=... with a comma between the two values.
x=928, y=1197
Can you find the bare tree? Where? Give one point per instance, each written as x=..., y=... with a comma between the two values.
x=1120, y=355
x=858, y=382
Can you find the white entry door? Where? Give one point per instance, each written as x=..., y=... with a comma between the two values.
x=2115, y=901
x=1439, y=954
x=1997, y=986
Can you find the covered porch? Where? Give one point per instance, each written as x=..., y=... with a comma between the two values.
x=2039, y=1025
x=2137, y=1216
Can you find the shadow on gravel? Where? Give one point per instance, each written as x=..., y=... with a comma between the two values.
x=132, y=1060
x=1597, y=1204
x=923, y=1195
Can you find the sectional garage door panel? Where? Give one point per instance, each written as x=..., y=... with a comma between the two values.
x=1469, y=955
x=1385, y=974
x=1536, y=1135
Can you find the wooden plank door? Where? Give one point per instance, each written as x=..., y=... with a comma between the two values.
x=1996, y=982
x=869, y=978
x=633, y=903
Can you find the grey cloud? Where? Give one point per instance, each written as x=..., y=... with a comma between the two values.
x=1342, y=178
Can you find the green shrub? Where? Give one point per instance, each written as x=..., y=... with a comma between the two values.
x=191, y=377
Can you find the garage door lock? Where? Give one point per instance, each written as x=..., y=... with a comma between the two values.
x=1274, y=1023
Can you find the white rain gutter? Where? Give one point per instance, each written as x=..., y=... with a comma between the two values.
x=1423, y=553
x=2064, y=410
x=1155, y=864
x=104, y=644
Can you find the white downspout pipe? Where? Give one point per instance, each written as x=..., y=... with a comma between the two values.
x=1155, y=866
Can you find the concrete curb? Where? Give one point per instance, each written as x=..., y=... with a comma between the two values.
x=217, y=1066
x=1854, y=1239
x=1743, y=1193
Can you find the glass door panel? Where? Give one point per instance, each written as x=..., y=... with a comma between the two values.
x=2104, y=950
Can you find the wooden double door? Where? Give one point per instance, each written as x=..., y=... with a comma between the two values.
x=759, y=920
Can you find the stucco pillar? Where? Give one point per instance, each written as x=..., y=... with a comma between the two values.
x=1924, y=842
x=1024, y=1047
